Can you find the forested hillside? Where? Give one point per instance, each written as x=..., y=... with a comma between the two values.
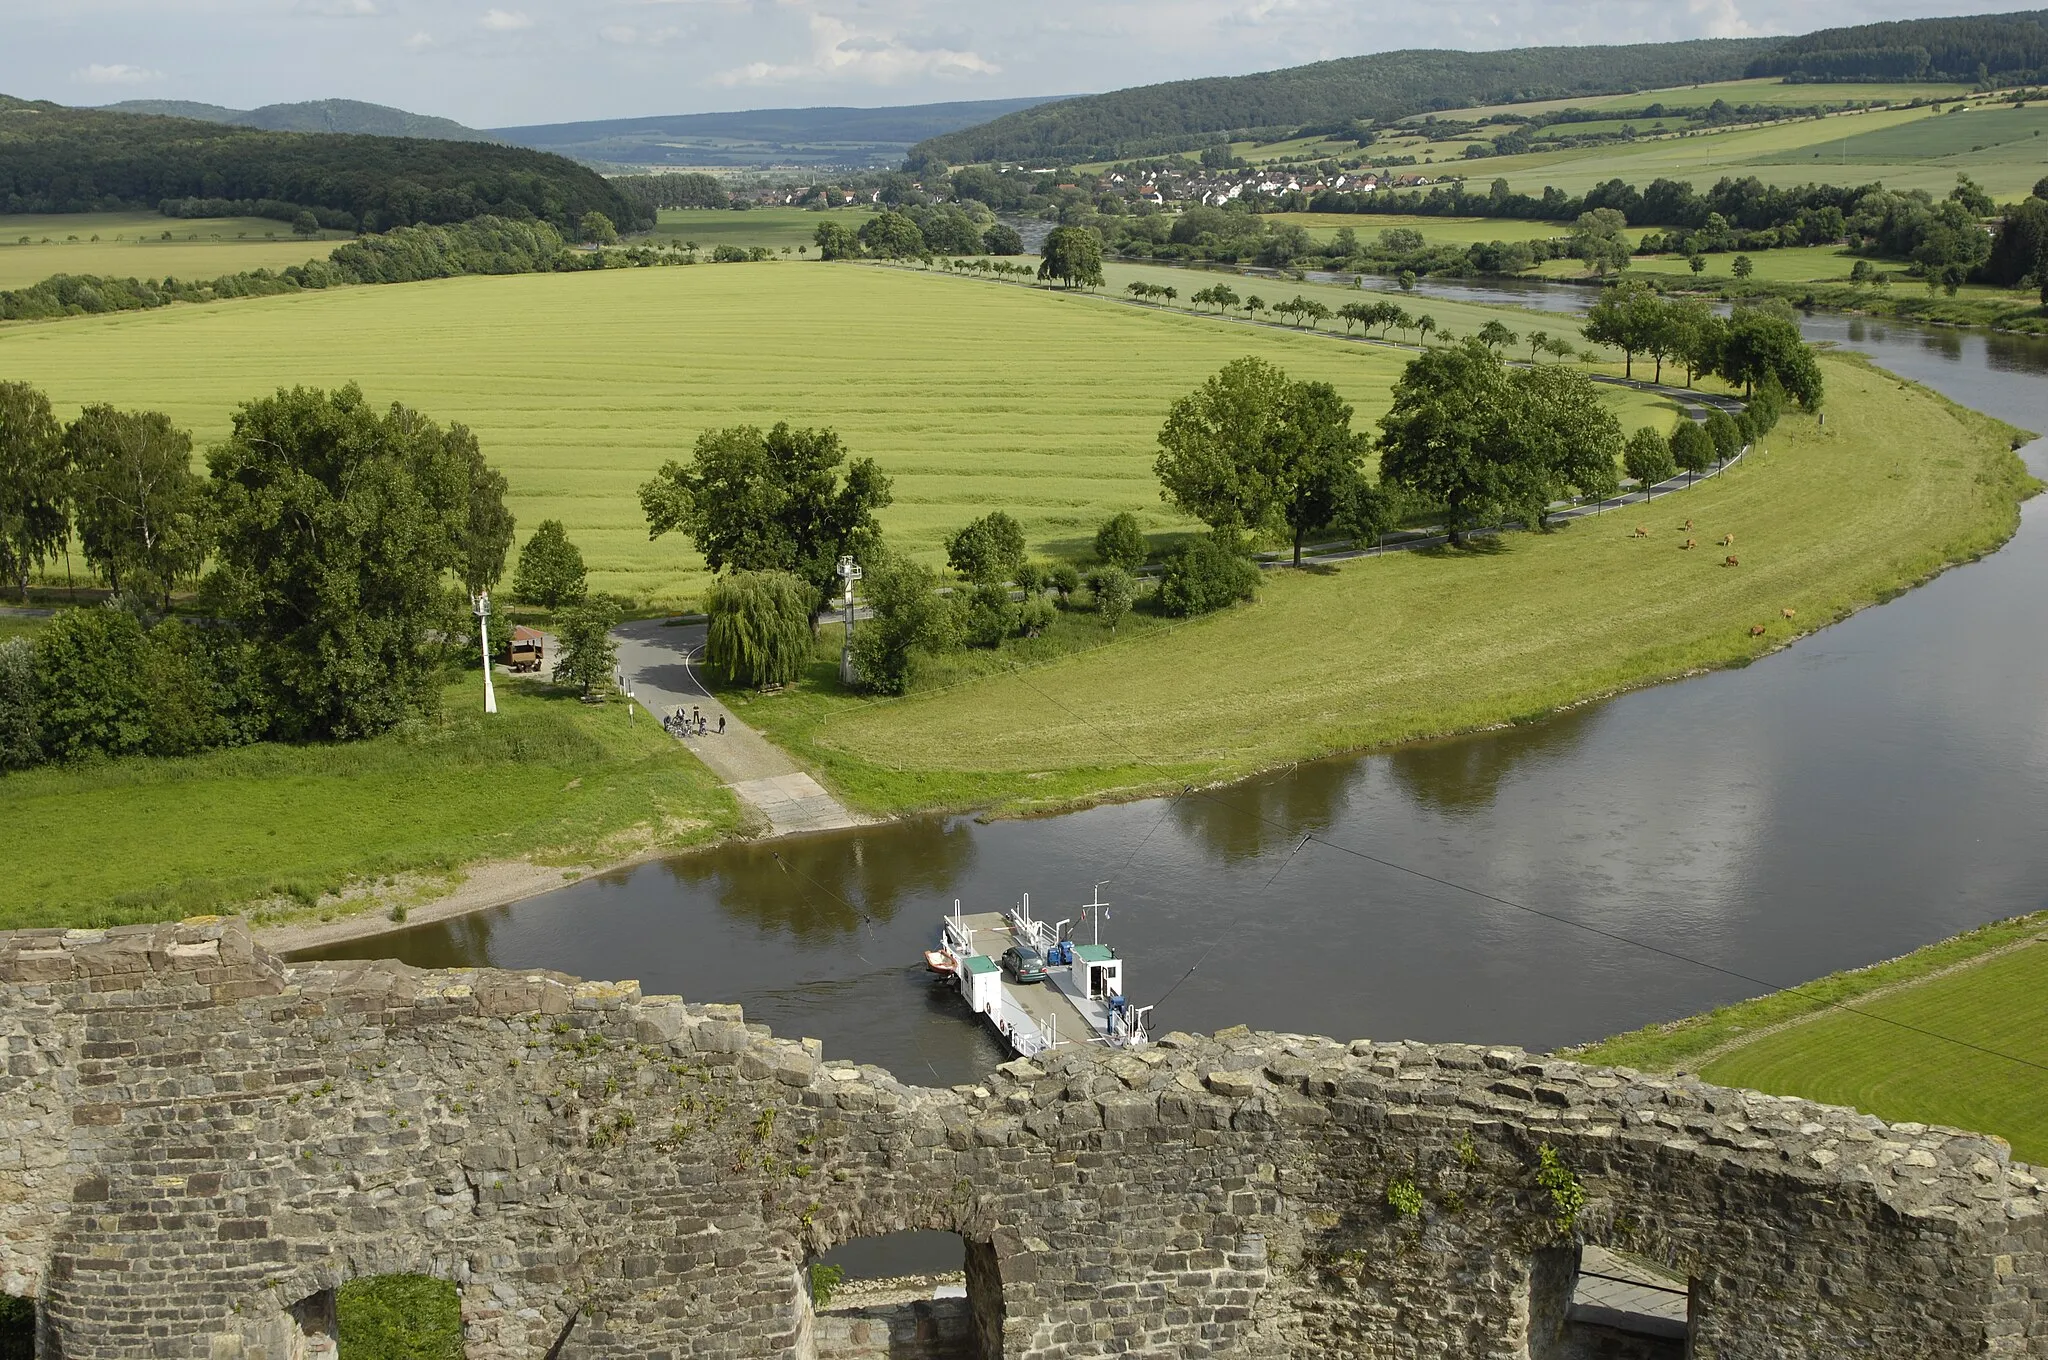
x=57, y=159
x=314, y=115
x=2005, y=48
x=1189, y=113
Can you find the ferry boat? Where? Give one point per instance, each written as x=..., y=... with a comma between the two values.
x=1033, y=984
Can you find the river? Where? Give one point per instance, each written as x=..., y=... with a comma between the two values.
x=1877, y=786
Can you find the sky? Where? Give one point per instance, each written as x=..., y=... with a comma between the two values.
x=499, y=63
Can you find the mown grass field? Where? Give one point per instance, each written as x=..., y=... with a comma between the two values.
x=972, y=395
x=1827, y=519
x=774, y=227
x=1883, y=1055
x=1450, y=231
x=130, y=245
x=549, y=776
x=1760, y=91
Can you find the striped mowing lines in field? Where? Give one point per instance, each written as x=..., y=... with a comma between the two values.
x=972, y=396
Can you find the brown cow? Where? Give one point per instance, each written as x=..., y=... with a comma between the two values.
x=1727, y=540
x=1731, y=561
x=1687, y=544
x=1688, y=527
x=1640, y=532
x=1788, y=613
x=1756, y=630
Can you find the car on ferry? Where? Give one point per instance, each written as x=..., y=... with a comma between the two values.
x=1022, y=963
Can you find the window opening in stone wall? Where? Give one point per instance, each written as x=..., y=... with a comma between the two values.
x=1624, y=1307
x=17, y=1328
x=314, y=1318
x=917, y=1295
x=399, y=1317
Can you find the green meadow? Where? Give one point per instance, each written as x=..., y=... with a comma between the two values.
x=131, y=245
x=549, y=776
x=970, y=394
x=1437, y=231
x=1827, y=519
x=1766, y=90
x=774, y=227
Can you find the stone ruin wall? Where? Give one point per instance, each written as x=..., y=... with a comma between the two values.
x=197, y=1139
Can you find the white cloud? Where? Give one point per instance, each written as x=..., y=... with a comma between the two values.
x=505, y=21
x=839, y=51
x=1720, y=19
x=340, y=9
x=625, y=35
x=421, y=39
x=119, y=73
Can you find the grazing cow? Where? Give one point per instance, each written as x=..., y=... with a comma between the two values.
x=1687, y=544
x=1788, y=613
x=1756, y=630
x=1727, y=540
x=1640, y=532
x=1731, y=561
x=1688, y=527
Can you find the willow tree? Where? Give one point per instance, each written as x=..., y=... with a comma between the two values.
x=760, y=631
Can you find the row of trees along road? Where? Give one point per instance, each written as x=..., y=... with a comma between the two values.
x=336, y=535
x=1758, y=342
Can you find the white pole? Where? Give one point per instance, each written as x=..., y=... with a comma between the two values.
x=483, y=632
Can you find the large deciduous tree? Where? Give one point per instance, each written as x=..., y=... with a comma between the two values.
x=760, y=630
x=1630, y=317
x=1120, y=542
x=550, y=571
x=1073, y=255
x=338, y=528
x=1569, y=436
x=1647, y=458
x=1450, y=438
x=1217, y=446
x=893, y=236
x=1761, y=348
x=586, y=655
x=770, y=502
x=989, y=551
x=909, y=617
x=35, y=483
x=141, y=510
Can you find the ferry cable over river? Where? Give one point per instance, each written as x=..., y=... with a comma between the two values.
x=1046, y=990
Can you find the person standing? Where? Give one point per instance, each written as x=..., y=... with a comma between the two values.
x=721, y=724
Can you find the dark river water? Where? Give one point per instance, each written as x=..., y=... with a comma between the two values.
x=1873, y=788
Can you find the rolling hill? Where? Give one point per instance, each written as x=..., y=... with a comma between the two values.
x=760, y=137
x=316, y=115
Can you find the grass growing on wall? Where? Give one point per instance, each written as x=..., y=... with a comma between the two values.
x=399, y=1317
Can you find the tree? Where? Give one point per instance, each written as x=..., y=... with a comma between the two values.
x=585, y=655
x=892, y=236
x=1316, y=460
x=550, y=571
x=1425, y=324
x=1692, y=449
x=1539, y=344
x=1216, y=447
x=909, y=617
x=1695, y=336
x=837, y=241
x=770, y=502
x=1629, y=317
x=1648, y=458
x=1073, y=255
x=487, y=534
x=597, y=229
x=1114, y=590
x=1450, y=437
x=1726, y=434
x=1205, y=573
x=1697, y=264
x=305, y=224
x=90, y=691
x=989, y=551
x=1742, y=267
x=21, y=724
x=141, y=510
x=1600, y=238
x=1494, y=335
x=1002, y=240
x=1569, y=437
x=337, y=528
x=35, y=483
x=1761, y=347
x=1121, y=543
x=760, y=631
x=1253, y=305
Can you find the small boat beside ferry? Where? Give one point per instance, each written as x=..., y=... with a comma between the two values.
x=1033, y=984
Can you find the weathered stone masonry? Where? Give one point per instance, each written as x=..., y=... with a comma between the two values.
x=195, y=1138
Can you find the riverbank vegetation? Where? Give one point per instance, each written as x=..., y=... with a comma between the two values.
x=1829, y=518
x=1866, y=1037
x=548, y=778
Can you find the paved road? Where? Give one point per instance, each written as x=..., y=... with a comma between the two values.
x=655, y=659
